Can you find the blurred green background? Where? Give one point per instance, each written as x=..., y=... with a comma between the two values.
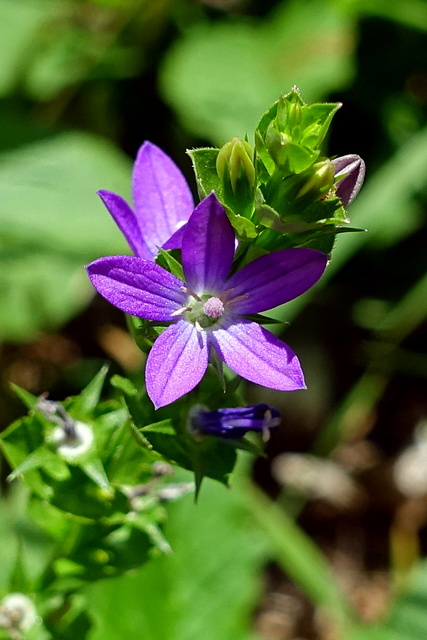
x=82, y=85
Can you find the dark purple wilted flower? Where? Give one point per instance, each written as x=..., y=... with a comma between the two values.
x=350, y=171
x=207, y=311
x=162, y=201
x=233, y=422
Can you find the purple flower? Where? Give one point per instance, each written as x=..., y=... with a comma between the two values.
x=350, y=171
x=234, y=422
x=162, y=200
x=207, y=311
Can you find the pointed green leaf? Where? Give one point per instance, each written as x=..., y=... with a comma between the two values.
x=86, y=402
x=28, y=399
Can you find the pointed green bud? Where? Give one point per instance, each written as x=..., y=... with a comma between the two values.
x=289, y=111
x=320, y=181
x=235, y=167
x=294, y=196
x=236, y=159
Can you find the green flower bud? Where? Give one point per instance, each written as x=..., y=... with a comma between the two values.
x=235, y=160
x=289, y=111
x=293, y=196
x=319, y=182
x=236, y=169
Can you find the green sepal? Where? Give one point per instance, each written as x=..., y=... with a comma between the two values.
x=317, y=115
x=204, y=165
x=245, y=229
x=142, y=331
x=166, y=260
x=208, y=180
x=261, y=319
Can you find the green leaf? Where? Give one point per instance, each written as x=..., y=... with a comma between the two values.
x=165, y=440
x=42, y=458
x=28, y=399
x=96, y=472
x=207, y=588
x=210, y=457
x=87, y=401
x=124, y=385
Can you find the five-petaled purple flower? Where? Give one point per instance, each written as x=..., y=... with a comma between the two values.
x=207, y=311
x=162, y=201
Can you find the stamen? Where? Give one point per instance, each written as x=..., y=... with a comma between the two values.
x=191, y=293
x=225, y=297
x=180, y=312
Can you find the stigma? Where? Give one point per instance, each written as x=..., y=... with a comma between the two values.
x=213, y=307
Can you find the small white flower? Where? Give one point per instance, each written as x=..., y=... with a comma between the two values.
x=17, y=613
x=72, y=443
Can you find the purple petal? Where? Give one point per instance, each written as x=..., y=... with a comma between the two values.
x=127, y=222
x=139, y=287
x=176, y=363
x=257, y=355
x=275, y=279
x=162, y=198
x=352, y=168
x=175, y=241
x=207, y=247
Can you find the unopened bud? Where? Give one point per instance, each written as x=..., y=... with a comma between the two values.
x=233, y=422
x=235, y=162
x=236, y=169
x=289, y=111
x=349, y=176
x=319, y=182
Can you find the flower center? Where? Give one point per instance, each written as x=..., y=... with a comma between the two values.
x=203, y=311
x=213, y=307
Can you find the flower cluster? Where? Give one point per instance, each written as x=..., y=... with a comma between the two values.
x=206, y=303
x=209, y=309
